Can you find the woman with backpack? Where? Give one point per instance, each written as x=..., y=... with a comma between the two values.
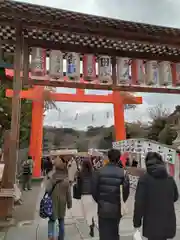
x=58, y=186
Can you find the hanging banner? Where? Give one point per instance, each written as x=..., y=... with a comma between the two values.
x=104, y=73
x=165, y=73
x=73, y=66
x=152, y=73
x=170, y=155
x=138, y=72
x=162, y=151
x=38, y=62
x=123, y=74
x=89, y=67
x=56, y=64
x=138, y=146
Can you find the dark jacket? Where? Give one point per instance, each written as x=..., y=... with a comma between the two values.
x=106, y=190
x=84, y=180
x=154, y=203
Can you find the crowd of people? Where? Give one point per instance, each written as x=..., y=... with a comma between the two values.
x=109, y=187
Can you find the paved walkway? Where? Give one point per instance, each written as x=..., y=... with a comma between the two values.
x=76, y=224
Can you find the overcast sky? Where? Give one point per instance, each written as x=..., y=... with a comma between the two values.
x=159, y=12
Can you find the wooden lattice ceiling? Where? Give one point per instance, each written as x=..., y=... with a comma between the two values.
x=71, y=31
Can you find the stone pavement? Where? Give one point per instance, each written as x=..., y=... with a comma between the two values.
x=76, y=223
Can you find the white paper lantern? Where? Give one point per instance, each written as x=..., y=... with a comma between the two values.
x=177, y=75
x=165, y=73
x=89, y=67
x=152, y=73
x=105, y=70
x=123, y=74
x=73, y=66
x=140, y=77
x=38, y=62
x=56, y=64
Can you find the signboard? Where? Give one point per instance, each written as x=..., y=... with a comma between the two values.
x=105, y=70
x=144, y=146
x=134, y=174
x=170, y=155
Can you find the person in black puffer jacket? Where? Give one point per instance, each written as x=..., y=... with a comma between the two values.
x=106, y=192
x=154, y=200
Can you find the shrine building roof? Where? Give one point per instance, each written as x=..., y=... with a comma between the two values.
x=53, y=28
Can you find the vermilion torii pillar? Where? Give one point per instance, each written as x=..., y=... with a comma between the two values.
x=36, y=95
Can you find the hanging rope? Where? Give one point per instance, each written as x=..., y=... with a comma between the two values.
x=107, y=115
x=76, y=117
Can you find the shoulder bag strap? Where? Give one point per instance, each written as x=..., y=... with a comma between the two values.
x=59, y=181
x=121, y=186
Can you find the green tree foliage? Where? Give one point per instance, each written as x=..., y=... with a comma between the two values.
x=26, y=109
x=160, y=128
x=82, y=146
x=107, y=138
x=5, y=116
x=136, y=130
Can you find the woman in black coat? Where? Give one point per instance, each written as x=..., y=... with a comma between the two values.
x=154, y=200
x=85, y=177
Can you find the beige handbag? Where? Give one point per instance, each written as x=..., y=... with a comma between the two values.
x=124, y=209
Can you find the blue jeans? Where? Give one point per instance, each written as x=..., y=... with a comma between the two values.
x=54, y=231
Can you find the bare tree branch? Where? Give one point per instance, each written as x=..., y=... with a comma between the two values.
x=159, y=111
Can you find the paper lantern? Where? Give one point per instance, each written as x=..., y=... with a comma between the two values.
x=123, y=76
x=56, y=64
x=89, y=67
x=176, y=74
x=152, y=73
x=73, y=66
x=38, y=62
x=138, y=72
x=105, y=69
x=165, y=73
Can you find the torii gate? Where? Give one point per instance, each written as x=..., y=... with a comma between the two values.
x=36, y=95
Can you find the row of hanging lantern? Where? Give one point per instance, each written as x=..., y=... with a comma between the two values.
x=129, y=72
